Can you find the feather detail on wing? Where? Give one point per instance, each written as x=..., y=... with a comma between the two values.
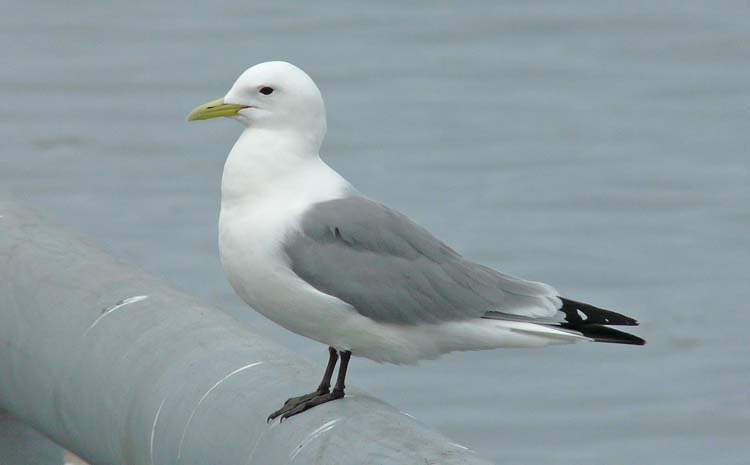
x=392, y=270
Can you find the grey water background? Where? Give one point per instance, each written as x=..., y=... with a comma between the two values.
x=600, y=147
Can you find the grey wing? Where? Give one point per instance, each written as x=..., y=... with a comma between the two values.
x=394, y=271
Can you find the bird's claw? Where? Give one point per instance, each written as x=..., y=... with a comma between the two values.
x=310, y=401
x=306, y=397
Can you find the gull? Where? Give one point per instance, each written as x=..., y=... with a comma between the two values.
x=304, y=248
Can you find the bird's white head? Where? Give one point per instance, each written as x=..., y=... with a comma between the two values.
x=274, y=95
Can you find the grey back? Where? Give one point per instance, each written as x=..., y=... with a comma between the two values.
x=394, y=271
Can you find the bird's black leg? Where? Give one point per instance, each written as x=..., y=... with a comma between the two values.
x=325, y=384
x=323, y=388
x=338, y=389
x=337, y=393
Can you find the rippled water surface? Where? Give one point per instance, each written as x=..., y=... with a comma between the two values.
x=601, y=147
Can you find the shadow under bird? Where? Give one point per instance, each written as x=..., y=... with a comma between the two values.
x=307, y=250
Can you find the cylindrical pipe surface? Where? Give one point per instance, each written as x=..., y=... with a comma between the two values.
x=22, y=445
x=121, y=369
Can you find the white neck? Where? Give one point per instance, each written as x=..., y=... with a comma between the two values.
x=264, y=161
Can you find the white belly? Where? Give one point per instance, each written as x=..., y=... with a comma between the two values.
x=250, y=242
x=255, y=264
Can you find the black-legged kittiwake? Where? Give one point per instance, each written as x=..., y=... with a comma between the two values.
x=307, y=250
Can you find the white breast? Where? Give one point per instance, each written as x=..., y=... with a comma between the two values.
x=257, y=211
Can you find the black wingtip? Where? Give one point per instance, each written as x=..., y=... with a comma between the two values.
x=590, y=321
x=579, y=313
x=604, y=334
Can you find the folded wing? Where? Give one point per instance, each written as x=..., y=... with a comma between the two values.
x=394, y=271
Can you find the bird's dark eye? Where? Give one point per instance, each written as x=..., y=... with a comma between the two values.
x=266, y=90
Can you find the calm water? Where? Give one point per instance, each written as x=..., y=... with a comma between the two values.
x=601, y=147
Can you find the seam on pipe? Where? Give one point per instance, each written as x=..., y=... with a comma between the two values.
x=153, y=431
x=195, y=409
x=312, y=436
x=408, y=415
x=111, y=309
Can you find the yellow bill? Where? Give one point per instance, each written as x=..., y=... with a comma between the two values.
x=215, y=109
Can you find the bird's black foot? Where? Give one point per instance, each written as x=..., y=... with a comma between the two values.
x=323, y=394
x=305, y=403
x=300, y=399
